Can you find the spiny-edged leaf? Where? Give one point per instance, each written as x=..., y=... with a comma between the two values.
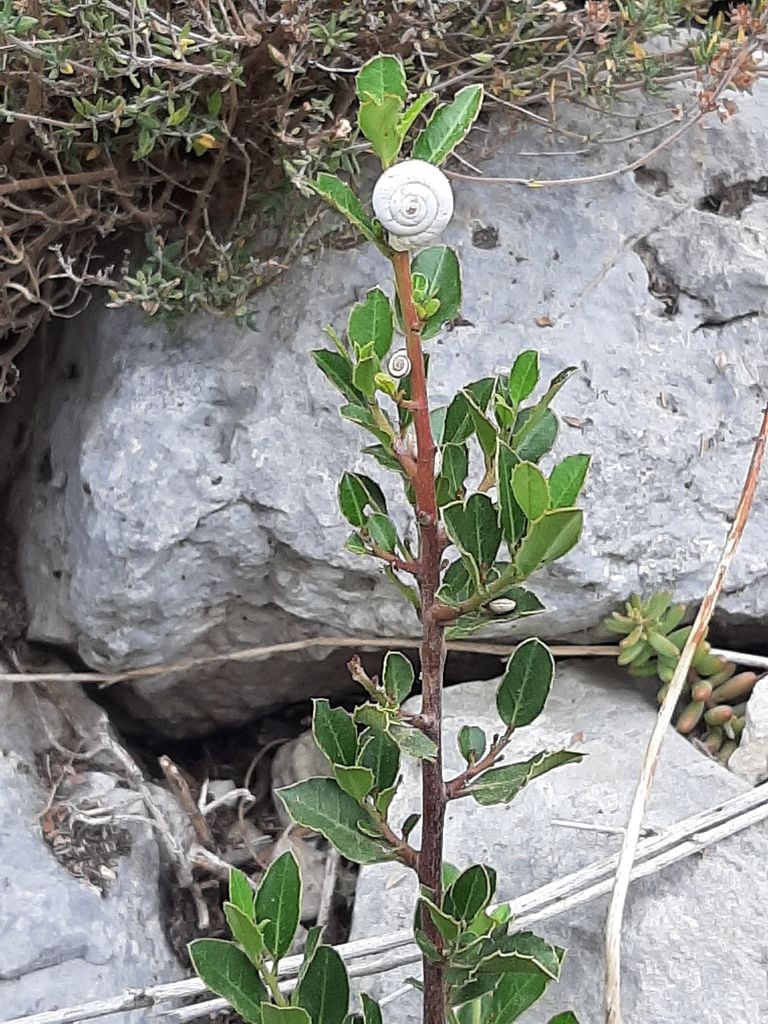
x=323, y=991
x=474, y=528
x=550, y=537
x=241, y=893
x=228, y=972
x=377, y=425
x=567, y=479
x=470, y=990
x=397, y=676
x=354, y=779
x=523, y=377
x=449, y=125
x=379, y=77
x=246, y=932
x=338, y=369
x=272, y=1014
x=382, y=531
x=357, y=493
x=526, y=683
x=511, y=516
x=535, y=442
x=440, y=266
x=334, y=732
x=472, y=743
x=524, y=953
x=513, y=995
x=371, y=322
x=341, y=197
x=278, y=902
x=530, y=489
x=381, y=754
x=569, y=1017
x=371, y=1010
x=500, y=785
x=453, y=472
x=374, y=715
x=485, y=430
x=413, y=111
x=413, y=742
x=323, y=806
x=380, y=124
x=470, y=893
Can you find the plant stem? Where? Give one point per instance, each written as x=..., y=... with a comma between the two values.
x=432, y=642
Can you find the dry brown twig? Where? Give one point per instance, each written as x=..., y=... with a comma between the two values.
x=612, y=992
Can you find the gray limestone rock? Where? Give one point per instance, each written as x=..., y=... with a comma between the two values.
x=750, y=760
x=695, y=939
x=179, y=499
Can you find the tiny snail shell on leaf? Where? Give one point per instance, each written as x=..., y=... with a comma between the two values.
x=414, y=202
x=399, y=365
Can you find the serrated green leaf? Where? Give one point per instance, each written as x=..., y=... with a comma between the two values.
x=526, y=683
x=374, y=715
x=241, y=894
x=440, y=266
x=334, y=732
x=228, y=972
x=341, y=197
x=381, y=754
x=474, y=528
x=338, y=369
x=323, y=991
x=272, y=1014
x=381, y=76
x=454, y=467
x=278, y=903
x=246, y=932
x=523, y=377
x=449, y=125
x=549, y=538
x=357, y=493
x=470, y=991
x=470, y=893
x=397, y=676
x=413, y=742
x=370, y=322
x=382, y=531
x=511, y=516
x=567, y=479
x=524, y=953
x=500, y=785
x=354, y=779
x=530, y=490
x=472, y=743
x=323, y=806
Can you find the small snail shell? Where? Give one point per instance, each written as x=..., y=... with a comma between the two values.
x=414, y=202
x=501, y=606
x=399, y=365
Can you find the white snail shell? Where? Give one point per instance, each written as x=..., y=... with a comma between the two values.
x=399, y=365
x=502, y=606
x=414, y=202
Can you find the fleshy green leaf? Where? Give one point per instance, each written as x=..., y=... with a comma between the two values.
x=371, y=322
x=567, y=479
x=341, y=197
x=548, y=538
x=382, y=531
x=338, y=369
x=357, y=493
x=323, y=806
x=530, y=489
x=513, y=995
x=526, y=683
x=470, y=893
x=272, y=1014
x=440, y=266
x=335, y=732
x=241, y=894
x=472, y=743
x=354, y=779
x=278, y=902
x=246, y=932
x=500, y=785
x=397, y=676
x=323, y=991
x=449, y=125
x=523, y=377
x=474, y=528
x=228, y=972
x=381, y=754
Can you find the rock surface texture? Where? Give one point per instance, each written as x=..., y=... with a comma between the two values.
x=750, y=760
x=695, y=939
x=179, y=498
x=63, y=942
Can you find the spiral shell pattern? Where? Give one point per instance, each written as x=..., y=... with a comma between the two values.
x=414, y=202
x=399, y=365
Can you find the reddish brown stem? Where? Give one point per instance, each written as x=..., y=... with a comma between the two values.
x=455, y=788
x=432, y=642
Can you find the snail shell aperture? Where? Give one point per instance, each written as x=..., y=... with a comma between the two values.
x=414, y=202
x=399, y=365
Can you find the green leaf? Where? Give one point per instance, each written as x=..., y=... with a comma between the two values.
x=526, y=683
x=380, y=124
x=246, y=932
x=410, y=824
x=341, y=197
x=382, y=531
x=381, y=754
x=485, y=430
x=470, y=893
x=567, y=479
x=284, y=1014
x=523, y=377
x=371, y=1010
x=354, y=779
x=514, y=994
x=530, y=419
x=414, y=110
x=534, y=443
x=228, y=972
x=397, y=676
x=472, y=743
x=524, y=953
x=458, y=425
x=440, y=266
x=569, y=1017
x=278, y=903
x=548, y=538
x=500, y=785
x=380, y=77
x=413, y=742
x=530, y=490
x=241, y=895
x=371, y=322
x=357, y=493
x=335, y=732
x=323, y=806
x=453, y=472
x=511, y=516
x=323, y=991
x=338, y=369
x=480, y=391
x=363, y=417
x=457, y=584
x=449, y=125
x=365, y=371
x=474, y=528
x=448, y=928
